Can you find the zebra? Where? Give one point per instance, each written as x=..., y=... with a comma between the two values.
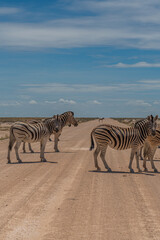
x=27, y=132
x=150, y=146
x=122, y=138
x=29, y=144
x=65, y=119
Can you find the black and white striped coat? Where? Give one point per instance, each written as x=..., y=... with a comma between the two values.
x=149, y=149
x=122, y=138
x=37, y=132
x=65, y=119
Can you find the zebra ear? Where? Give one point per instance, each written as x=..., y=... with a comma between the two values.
x=156, y=117
x=149, y=118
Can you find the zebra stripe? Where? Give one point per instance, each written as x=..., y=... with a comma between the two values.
x=150, y=146
x=122, y=138
x=37, y=132
x=65, y=119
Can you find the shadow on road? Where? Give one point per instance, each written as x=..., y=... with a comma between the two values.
x=32, y=162
x=123, y=172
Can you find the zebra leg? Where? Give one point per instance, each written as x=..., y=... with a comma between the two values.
x=137, y=160
x=96, y=152
x=11, y=143
x=153, y=166
x=131, y=160
x=141, y=149
x=24, y=148
x=56, y=139
x=16, y=151
x=144, y=163
x=102, y=155
x=42, y=147
x=151, y=160
x=30, y=148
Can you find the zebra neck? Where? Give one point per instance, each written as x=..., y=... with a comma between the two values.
x=50, y=126
x=143, y=131
x=64, y=122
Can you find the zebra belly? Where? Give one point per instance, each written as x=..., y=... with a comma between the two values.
x=120, y=146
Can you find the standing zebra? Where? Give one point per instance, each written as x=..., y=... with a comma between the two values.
x=122, y=138
x=65, y=119
x=29, y=144
x=27, y=132
x=150, y=146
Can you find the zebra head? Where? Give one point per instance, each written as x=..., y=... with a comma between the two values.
x=57, y=125
x=152, y=124
x=71, y=119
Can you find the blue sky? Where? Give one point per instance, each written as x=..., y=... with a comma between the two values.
x=96, y=58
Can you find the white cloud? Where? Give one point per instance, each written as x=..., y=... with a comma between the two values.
x=50, y=102
x=57, y=87
x=117, y=23
x=9, y=10
x=156, y=102
x=32, y=102
x=135, y=65
x=138, y=103
x=61, y=100
x=9, y=104
x=157, y=81
x=95, y=102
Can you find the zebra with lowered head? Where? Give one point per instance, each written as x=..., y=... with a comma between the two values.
x=65, y=119
x=122, y=138
x=27, y=132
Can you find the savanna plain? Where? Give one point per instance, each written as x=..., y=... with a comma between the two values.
x=65, y=198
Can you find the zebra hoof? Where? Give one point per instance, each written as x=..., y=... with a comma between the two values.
x=155, y=170
x=32, y=151
x=20, y=161
x=98, y=169
x=9, y=162
x=139, y=170
x=56, y=150
x=145, y=170
x=109, y=170
x=43, y=160
x=131, y=170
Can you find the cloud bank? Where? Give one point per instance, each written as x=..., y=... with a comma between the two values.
x=106, y=23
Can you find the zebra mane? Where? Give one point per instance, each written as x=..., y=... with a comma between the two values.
x=67, y=113
x=139, y=121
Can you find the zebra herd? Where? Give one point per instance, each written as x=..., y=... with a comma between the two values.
x=123, y=138
x=142, y=135
x=39, y=131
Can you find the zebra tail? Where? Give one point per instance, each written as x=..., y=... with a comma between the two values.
x=92, y=142
x=11, y=139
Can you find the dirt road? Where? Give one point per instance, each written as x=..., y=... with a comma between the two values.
x=65, y=199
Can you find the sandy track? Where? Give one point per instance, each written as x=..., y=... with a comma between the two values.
x=65, y=199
